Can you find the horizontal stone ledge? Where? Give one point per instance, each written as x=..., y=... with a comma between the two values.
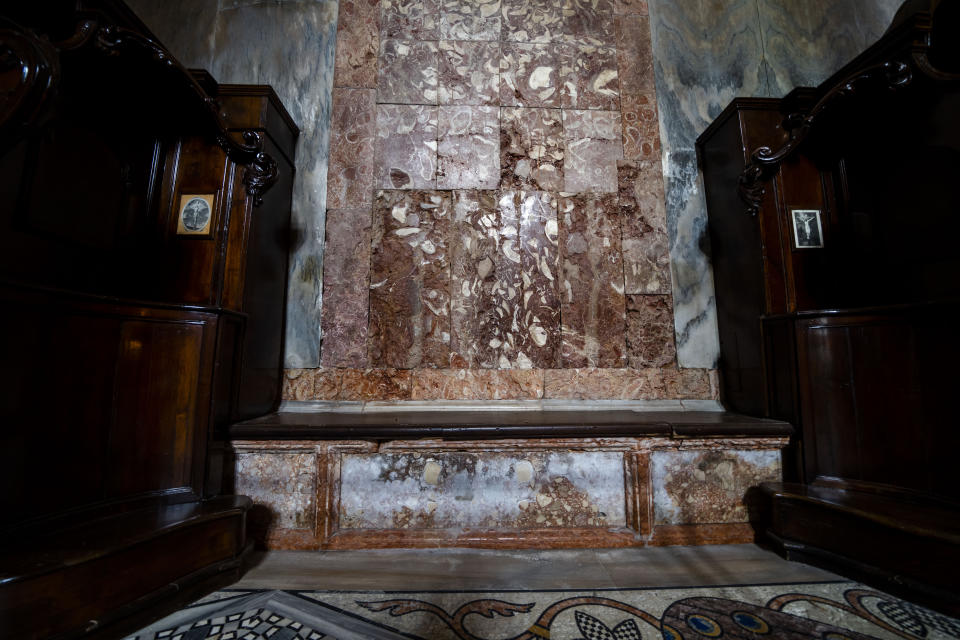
x=491, y=421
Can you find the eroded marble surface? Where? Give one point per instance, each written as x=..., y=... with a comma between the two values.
x=592, y=146
x=358, y=44
x=346, y=274
x=353, y=136
x=531, y=149
x=468, y=151
x=531, y=21
x=604, y=384
x=469, y=72
x=589, y=77
x=487, y=275
x=408, y=72
x=530, y=74
x=470, y=20
x=482, y=490
x=708, y=486
x=591, y=290
x=375, y=384
x=410, y=280
x=587, y=21
x=646, y=249
x=282, y=482
x=477, y=384
x=634, y=53
x=410, y=19
x=406, y=149
x=650, y=341
x=298, y=384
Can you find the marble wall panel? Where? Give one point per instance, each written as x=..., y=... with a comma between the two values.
x=641, y=127
x=410, y=19
x=353, y=135
x=530, y=74
x=298, y=384
x=358, y=44
x=468, y=150
x=346, y=282
x=482, y=490
x=539, y=335
x=283, y=483
x=646, y=253
x=470, y=19
x=591, y=292
x=589, y=77
x=477, y=384
x=469, y=72
x=408, y=72
x=650, y=332
x=689, y=384
x=587, y=21
x=406, y=149
x=634, y=54
x=410, y=280
x=531, y=149
x=531, y=21
x=485, y=299
x=592, y=146
x=604, y=384
x=375, y=384
x=700, y=487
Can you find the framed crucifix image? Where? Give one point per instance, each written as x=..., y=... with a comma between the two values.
x=807, y=229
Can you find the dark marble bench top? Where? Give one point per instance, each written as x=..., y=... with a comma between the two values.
x=507, y=423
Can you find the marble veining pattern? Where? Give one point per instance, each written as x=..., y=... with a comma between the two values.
x=592, y=146
x=483, y=490
x=346, y=272
x=469, y=72
x=530, y=74
x=408, y=72
x=470, y=20
x=352, y=140
x=468, y=151
x=592, y=301
x=410, y=280
x=283, y=483
x=406, y=150
x=701, y=487
x=531, y=149
x=410, y=19
x=358, y=44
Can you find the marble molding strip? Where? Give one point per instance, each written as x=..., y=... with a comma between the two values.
x=546, y=493
x=498, y=384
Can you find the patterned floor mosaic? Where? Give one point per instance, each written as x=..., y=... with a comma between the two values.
x=830, y=611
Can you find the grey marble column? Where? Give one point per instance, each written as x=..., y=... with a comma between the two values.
x=707, y=53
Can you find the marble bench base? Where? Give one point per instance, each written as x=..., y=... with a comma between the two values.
x=508, y=493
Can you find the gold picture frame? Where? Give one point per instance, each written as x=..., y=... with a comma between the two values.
x=195, y=217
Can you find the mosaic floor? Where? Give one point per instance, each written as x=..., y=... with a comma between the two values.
x=828, y=610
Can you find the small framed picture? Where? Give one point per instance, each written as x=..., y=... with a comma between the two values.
x=807, y=230
x=196, y=214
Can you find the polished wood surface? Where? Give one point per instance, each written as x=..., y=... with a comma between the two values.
x=855, y=339
x=127, y=347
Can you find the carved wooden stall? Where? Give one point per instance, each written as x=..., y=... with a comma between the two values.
x=144, y=217
x=834, y=227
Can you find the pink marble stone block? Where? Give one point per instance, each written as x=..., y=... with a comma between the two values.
x=406, y=151
x=592, y=146
x=589, y=77
x=650, y=332
x=408, y=72
x=468, y=152
x=410, y=19
x=469, y=72
x=531, y=21
x=531, y=149
x=477, y=384
x=375, y=384
x=603, y=384
x=530, y=74
x=358, y=44
x=487, y=286
x=346, y=282
x=410, y=280
x=470, y=20
x=587, y=21
x=592, y=300
x=634, y=54
x=298, y=384
x=352, y=139
x=641, y=127
x=646, y=249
